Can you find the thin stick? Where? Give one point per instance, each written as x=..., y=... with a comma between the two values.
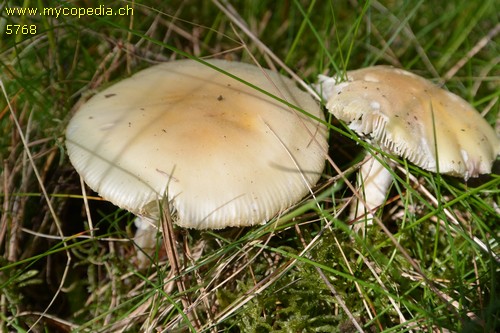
x=472, y=52
x=87, y=208
x=173, y=258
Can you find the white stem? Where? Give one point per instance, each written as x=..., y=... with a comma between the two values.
x=145, y=239
x=373, y=182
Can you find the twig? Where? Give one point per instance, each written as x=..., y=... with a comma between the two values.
x=472, y=52
x=173, y=258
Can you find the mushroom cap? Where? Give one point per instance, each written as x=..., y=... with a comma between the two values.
x=222, y=153
x=406, y=114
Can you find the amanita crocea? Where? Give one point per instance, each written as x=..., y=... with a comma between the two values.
x=406, y=115
x=219, y=150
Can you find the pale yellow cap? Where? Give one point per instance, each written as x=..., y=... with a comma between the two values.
x=223, y=153
x=407, y=115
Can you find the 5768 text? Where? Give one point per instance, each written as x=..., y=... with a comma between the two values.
x=24, y=29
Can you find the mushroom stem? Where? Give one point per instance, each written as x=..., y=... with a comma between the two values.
x=373, y=181
x=145, y=239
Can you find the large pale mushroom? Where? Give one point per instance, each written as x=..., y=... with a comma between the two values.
x=406, y=115
x=220, y=151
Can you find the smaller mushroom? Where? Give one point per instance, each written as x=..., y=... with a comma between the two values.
x=406, y=115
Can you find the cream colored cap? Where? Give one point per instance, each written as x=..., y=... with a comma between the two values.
x=222, y=152
x=405, y=113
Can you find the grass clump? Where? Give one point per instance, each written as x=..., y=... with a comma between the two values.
x=67, y=259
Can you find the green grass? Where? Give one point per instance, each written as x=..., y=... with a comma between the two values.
x=307, y=273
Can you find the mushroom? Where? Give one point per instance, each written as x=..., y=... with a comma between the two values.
x=406, y=115
x=214, y=145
